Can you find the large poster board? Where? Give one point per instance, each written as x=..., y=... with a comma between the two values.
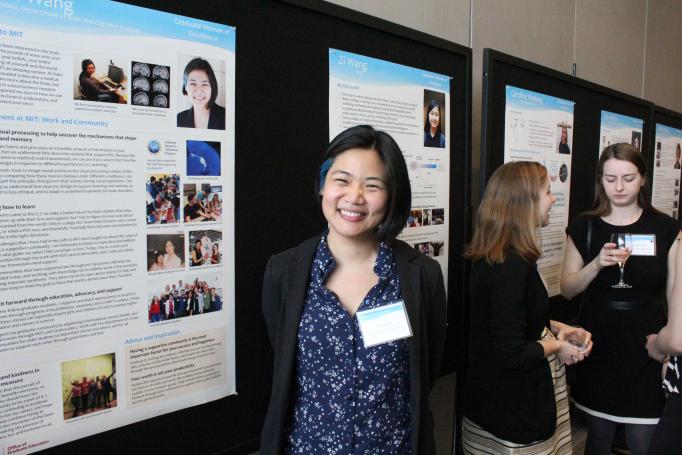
x=539, y=127
x=617, y=128
x=666, y=169
x=116, y=194
x=413, y=106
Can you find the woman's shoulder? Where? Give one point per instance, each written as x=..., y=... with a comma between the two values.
x=302, y=251
x=578, y=225
x=659, y=217
x=217, y=108
x=662, y=223
x=403, y=250
x=514, y=264
x=185, y=118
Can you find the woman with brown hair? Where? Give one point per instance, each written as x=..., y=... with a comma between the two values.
x=620, y=384
x=515, y=399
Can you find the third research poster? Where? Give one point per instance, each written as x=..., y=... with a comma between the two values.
x=618, y=128
x=413, y=106
x=539, y=127
x=666, y=170
x=116, y=195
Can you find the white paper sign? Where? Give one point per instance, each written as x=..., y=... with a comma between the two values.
x=643, y=245
x=384, y=324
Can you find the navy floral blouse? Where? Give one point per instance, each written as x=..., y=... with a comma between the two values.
x=349, y=399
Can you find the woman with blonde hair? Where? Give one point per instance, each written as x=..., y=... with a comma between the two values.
x=515, y=399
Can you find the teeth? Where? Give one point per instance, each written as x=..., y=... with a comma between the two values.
x=349, y=213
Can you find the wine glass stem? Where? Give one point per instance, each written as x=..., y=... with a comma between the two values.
x=622, y=266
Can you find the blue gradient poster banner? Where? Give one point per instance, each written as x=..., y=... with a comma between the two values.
x=618, y=128
x=539, y=127
x=667, y=170
x=116, y=234
x=413, y=106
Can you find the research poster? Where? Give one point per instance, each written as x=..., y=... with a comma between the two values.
x=618, y=128
x=413, y=106
x=116, y=227
x=539, y=128
x=667, y=173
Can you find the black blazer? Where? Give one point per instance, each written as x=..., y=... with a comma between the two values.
x=508, y=389
x=284, y=292
x=216, y=118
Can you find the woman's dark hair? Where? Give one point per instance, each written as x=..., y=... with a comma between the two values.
x=397, y=180
x=86, y=62
x=200, y=64
x=84, y=65
x=625, y=152
x=433, y=104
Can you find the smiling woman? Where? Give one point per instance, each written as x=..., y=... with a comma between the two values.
x=200, y=86
x=325, y=373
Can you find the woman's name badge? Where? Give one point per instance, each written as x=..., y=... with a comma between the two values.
x=383, y=324
x=643, y=245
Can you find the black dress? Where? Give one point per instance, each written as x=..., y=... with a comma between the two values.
x=619, y=381
x=508, y=389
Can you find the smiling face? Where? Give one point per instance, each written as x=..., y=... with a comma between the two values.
x=198, y=89
x=545, y=203
x=622, y=182
x=170, y=249
x=434, y=118
x=355, y=194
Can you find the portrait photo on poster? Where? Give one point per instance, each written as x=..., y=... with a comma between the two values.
x=565, y=138
x=636, y=140
x=202, y=100
x=434, y=119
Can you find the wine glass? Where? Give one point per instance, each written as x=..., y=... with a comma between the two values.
x=623, y=241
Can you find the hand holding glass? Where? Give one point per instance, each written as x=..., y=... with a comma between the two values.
x=624, y=244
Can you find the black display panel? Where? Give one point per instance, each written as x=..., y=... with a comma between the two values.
x=590, y=99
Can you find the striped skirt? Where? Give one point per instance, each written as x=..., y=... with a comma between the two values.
x=477, y=441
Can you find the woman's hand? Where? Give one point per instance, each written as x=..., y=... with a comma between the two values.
x=569, y=354
x=577, y=336
x=653, y=351
x=664, y=368
x=608, y=256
